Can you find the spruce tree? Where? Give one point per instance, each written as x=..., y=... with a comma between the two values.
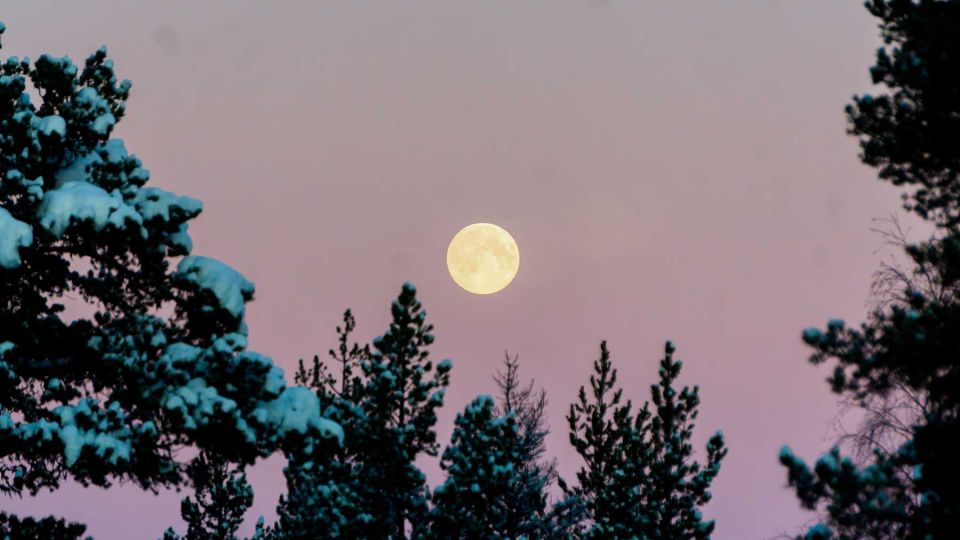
x=909, y=132
x=323, y=497
x=474, y=501
x=386, y=399
x=600, y=425
x=322, y=502
x=910, y=492
x=640, y=479
x=148, y=354
x=221, y=497
x=402, y=392
x=673, y=486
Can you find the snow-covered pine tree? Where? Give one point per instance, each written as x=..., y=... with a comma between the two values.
x=600, y=426
x=323, y=500
x=909, y=132
x=117, y=347
x=527, y=511
x=671, y=484
x=386, y=399
x=221, y=497
x=474, y=500
x=566, y=515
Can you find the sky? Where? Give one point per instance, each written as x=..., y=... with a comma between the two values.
x=669, y=170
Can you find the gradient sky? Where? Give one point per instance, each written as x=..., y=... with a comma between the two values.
x=670, y=170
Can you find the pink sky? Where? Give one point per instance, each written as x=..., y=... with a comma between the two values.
x=670, y=170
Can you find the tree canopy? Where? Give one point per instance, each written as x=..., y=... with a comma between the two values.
x=118, y=347
x=909, y=345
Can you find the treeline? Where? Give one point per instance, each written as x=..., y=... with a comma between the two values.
x=155, y=362
x=639, y=477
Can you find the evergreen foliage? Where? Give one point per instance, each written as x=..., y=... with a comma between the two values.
x=911, y=491
x=322, y=501
x=909, y=133
x=675, y=486
x=402, y=394
x=221, y=498
x=474, y=502
x=323, y=495
x=48, y=528
x=639, y=479
x=912, y=344
x=113, y=355
x=600, y=426
x=386, y=398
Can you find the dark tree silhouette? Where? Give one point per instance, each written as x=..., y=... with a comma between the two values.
x=528, y=514
x=221, y=497
x=909, y=346
x=324, y=498
x=600, y=426
x=48, y=528
x=639, y=478
x=386, y=399
x=474, y=502
x=117, y=347
x=909, y=132
x=673, y=485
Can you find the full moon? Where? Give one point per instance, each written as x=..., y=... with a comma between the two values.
x=483, y=258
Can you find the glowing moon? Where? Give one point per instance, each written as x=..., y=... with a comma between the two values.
x=483, y=258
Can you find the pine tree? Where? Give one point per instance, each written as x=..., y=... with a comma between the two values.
x=909, y=133
x=566, y=515
x=474, y=502
x=27, y=528
x=321, y=502
x=402, y=393
x=148, y=358
x=600, y=425
x=386, y=399
x=222, y=496
x=323, y=496
x=640, y=479
x=527, y=513
x=910, y=492
x=673, y=487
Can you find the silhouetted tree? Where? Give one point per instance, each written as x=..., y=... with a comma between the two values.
x=48, y=528
x=600, y=426
x=323, y=498
x=221, y=497
x=908, y=491
x=403, y=391
x=527, y=511
x=474, y=502
x=909, y=132
x=910, y=345
x=673, y=486
x=640, y=479
x=386, y=399
x=150, y=358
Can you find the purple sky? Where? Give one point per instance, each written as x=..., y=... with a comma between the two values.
x=670, y=170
